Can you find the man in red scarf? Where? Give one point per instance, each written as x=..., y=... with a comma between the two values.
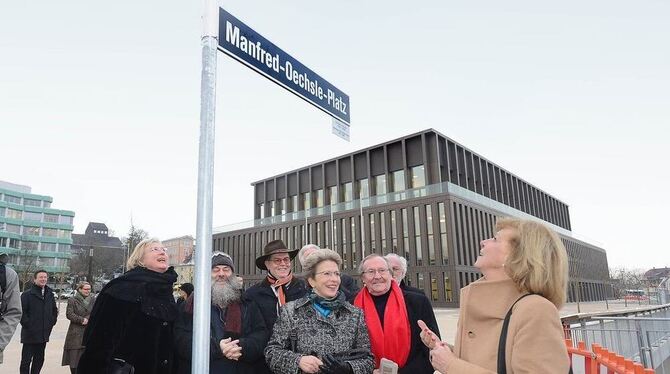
x=391, y=315
x=278, y=288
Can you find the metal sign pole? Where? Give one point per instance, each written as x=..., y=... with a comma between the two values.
x=203, y=258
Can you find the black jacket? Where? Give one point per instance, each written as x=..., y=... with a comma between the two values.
x=418, y=308
x=349, y=287
x=406, y=287
x=132, y=320
x=262, y=295
x=253, y=340
x=39, y=315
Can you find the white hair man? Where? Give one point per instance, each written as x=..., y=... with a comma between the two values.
x=347, y=284
x=399, y=270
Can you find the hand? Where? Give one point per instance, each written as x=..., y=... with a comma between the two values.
x=441, y=356
x=377, y=371
x=231, y=349
x=428, y=337
x=332, y=365
x=309, y=364
x=85, y=322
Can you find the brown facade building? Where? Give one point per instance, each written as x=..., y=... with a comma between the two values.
x=180, y=250
x=423, y=196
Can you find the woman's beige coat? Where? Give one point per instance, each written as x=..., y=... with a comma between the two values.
x=535, y=337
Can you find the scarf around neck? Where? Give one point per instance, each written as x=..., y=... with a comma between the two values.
x=393, y=340
x=84, y=300
x=276, y=285
x=325, y=306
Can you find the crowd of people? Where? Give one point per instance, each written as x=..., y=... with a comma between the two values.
x=318, y=321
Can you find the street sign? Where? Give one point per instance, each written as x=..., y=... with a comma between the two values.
x=250, y=48
x=340, y=129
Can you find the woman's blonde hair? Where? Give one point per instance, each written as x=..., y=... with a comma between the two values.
x=538, y=262
x=135, y=258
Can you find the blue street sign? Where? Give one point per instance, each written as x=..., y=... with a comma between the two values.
x=245, y=45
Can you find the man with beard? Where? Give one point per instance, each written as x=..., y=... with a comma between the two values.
x=238, y=334
x=278, y=288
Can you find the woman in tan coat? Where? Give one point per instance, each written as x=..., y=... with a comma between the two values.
x=524, y=257
x=78, y=311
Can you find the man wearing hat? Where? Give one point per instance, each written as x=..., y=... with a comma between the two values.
x=238, y=334
x=280, y=286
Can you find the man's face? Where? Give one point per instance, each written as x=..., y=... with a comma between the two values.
x=376, y=276
x=396, y=269
x=220, y=273
x=279, y=265
x=41, y=279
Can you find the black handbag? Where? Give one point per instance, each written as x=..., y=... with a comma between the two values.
x=502, y=367
x=119, y=366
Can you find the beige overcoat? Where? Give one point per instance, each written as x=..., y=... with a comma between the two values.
x=535, y=338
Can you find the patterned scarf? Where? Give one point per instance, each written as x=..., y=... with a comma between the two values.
x=276, y=285
x=393, y=340
x=325, y=306
x=85, y=300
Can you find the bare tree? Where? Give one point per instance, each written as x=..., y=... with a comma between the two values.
x=626, y=279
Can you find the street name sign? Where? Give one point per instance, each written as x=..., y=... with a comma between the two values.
x=251, y=49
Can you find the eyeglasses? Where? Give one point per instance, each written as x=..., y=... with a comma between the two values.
x=372, y=272
x=279, y=261
x=159, y=249
x=329, y=274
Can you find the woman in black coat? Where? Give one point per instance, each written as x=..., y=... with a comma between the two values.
x=133, y=317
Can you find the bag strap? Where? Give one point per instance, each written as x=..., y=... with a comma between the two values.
x=502, y=367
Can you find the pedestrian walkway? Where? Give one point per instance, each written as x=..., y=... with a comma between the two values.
x=447, y=319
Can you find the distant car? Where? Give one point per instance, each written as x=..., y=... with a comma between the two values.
x=67, y=294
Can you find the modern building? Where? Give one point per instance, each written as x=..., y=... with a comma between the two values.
x=423, y=196
x=108, y=251
x=180, y=249
x=32, y=233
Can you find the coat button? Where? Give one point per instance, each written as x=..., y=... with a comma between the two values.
x=471, y=335
x=165, y=362
x=165, y=323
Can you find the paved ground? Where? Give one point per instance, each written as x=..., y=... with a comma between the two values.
x=446, y=319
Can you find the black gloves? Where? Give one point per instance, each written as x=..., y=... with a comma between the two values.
x=332, y=365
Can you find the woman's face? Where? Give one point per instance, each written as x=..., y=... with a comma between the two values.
x=85, y=290
x=494, y=251
x=326, y=279
x=155, y=257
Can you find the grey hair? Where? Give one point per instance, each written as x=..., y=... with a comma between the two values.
x=301, y=252
x=321, y=255
x=369, y=257
x=403, y=262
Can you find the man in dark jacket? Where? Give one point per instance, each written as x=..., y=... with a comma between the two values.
x=39, y=317
x=278, y=288
x=399, y=270
x=237, y=331
x=347, y=283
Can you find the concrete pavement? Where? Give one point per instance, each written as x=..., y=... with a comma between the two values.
x=447, y=318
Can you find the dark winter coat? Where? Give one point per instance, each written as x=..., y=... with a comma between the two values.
x=267, y=302
x=418, y=308
x=349, y=287
x=76, y=312
x=39, y=315
x=132, y=319
x=315, y=334
x=406, y=287
x=253, y=339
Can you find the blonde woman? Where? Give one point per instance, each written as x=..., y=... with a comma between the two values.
x=132, y=319
x=525, y=270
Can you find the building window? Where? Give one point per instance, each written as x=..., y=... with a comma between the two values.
x=394, y=233
x=294, y=204
x=319, y=198
x=53, y=218
x=405, y=233
x=429, y=230
x=417, y=237
x=12, y=199
x=347, y=191
x=433, y=288
x=443, y=234
x=16, y=229
x=66, y=220
x=272, y=208
x=282, y=206
x=33, y=231
x=13, y=213
x=13, y=243
x=382, y=229
x=65, y=234
x=363, y=189
x=448, y=293
x=32, y=216
x=28, y=245
x=398, y=180
x=53, y=233
x=419, y=283
x=332, y=195
x=379, y=182
x=3, y=242
x=418, y=176
x=345, y=250
x=47, y=204
x=48, y=247
x=354, y=248
x=32, y=202
x=372, y=232
x=306, y=201
x=261, y=208
x=2, y=211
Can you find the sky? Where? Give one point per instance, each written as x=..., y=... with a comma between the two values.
x=100, y=103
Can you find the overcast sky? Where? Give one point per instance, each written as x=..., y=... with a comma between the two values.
x=99, y=103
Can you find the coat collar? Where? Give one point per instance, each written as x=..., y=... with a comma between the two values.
x=478, y=295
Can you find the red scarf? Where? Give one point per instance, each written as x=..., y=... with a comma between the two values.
x=393, y=341
x=276, y=284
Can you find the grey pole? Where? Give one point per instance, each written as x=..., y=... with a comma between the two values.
x=203, y=258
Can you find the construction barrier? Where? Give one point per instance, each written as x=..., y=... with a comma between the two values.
x=598, y=358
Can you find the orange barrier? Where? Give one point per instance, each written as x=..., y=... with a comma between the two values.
x=600, y=357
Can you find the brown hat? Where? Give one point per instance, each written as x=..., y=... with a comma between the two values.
x=275, y=246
